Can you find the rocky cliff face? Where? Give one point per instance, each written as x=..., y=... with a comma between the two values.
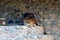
x=46, y=12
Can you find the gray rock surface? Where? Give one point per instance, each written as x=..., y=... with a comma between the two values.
x=46, y=12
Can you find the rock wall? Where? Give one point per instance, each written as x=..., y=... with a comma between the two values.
x=47, y=12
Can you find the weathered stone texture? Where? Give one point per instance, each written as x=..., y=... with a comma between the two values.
x=47, y=12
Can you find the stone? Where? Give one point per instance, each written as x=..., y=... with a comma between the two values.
x=49, y=37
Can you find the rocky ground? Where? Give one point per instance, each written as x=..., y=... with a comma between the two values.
x=46, y=12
